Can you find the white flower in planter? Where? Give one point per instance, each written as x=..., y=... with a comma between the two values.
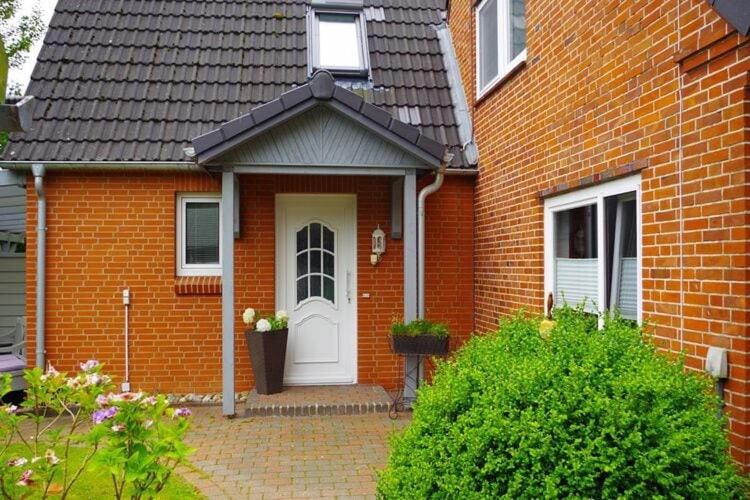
x=248, y=316
x=263, y=325
x=282, y=315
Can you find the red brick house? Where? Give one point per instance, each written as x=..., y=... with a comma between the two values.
x=188, y=155
x=614, y=141
x=212, y=156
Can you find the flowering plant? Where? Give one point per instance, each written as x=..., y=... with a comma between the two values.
x=144, y=439
x=267, y=323
x=55, y=413
x=62, y=411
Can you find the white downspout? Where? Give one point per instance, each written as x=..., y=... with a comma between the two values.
x=38, y=171
x=423, y=194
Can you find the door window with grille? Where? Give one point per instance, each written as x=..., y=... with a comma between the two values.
x=316, y=262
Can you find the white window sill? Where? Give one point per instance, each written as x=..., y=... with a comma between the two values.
x=508, y=71
x=199, y=271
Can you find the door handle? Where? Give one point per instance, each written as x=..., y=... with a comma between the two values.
x=349, y=286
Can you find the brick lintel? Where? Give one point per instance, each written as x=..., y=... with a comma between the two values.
x=592, y=180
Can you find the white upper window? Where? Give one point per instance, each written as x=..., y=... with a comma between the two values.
x=198, y=235
x=338, y=41
x=592, y=242
x=501, y=41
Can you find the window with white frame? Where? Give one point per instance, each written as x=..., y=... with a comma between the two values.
x=198, y=235
x=592, y=247
x=338, y=41
x=501, y=41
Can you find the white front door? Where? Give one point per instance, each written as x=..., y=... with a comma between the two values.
x=316, y=284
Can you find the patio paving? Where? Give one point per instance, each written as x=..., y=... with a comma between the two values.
x=322, y=456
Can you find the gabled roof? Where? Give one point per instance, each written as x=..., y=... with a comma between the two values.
x=136, y=81
x=321, y=89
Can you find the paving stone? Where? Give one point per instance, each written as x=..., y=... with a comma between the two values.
x=279, y=457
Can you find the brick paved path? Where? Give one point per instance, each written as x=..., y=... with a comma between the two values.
x=288, y=457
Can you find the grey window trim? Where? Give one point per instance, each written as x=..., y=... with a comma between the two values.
x=313, y=47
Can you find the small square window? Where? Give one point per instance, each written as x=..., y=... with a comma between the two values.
x=338, y=42
x=198, y=235
x=501, y=41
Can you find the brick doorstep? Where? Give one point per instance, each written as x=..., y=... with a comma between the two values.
x=319, y=400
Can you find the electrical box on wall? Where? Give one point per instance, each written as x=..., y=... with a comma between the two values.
x=716, y=362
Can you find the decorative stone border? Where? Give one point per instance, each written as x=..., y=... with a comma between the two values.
x=194, y=399
x=304, y=410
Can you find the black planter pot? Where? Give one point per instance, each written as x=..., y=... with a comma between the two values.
x=268, y=355
x=419, y=344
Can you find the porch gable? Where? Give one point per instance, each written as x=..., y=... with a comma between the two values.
x=320, y=137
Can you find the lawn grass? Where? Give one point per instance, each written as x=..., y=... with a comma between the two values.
x=97, y=483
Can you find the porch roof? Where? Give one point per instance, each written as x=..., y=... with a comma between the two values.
x=320, y=90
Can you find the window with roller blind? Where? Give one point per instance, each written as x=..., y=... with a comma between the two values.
x=592, y=248
x=198, y=235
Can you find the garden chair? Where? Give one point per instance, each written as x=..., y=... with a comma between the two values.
x=13, y=353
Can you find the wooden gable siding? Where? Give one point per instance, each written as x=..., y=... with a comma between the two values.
x=320, y=136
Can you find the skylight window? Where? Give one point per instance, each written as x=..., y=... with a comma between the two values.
x=338, y=41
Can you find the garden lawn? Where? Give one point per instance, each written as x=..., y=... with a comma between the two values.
x=97, y=483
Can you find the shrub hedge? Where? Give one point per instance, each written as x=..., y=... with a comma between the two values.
x=583, y=412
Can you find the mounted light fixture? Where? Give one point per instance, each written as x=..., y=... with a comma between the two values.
x=378, y=245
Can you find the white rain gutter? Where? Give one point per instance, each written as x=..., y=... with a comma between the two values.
x=423, y=194
x=38, y=172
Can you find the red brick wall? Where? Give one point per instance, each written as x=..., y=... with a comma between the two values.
x=111, y=231
x=600, y=92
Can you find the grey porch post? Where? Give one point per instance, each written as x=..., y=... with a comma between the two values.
x=227, y=291
x=410, y=275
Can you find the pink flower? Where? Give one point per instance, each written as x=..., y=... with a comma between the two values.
x=150, y=400
x=182, y=412
x=102, y=400
x=11, y=409
x=50, y=373
x=25, y=478
x=51, y=457
x=17, y=462
x=100, y=416
x=89, y=365
x=131, y=396
x=74, y=383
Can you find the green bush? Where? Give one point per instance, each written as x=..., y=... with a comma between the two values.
x=419, y=327
x=585, y=413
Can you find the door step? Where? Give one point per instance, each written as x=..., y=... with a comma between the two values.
x=300, y=401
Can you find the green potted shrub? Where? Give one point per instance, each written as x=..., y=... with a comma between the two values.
x=419, y=337
x=266, y=340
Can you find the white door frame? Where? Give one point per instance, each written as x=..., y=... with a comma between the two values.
x=281, y=201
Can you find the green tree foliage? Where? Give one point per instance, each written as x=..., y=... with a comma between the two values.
x=581, y=412
x=17, y=35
